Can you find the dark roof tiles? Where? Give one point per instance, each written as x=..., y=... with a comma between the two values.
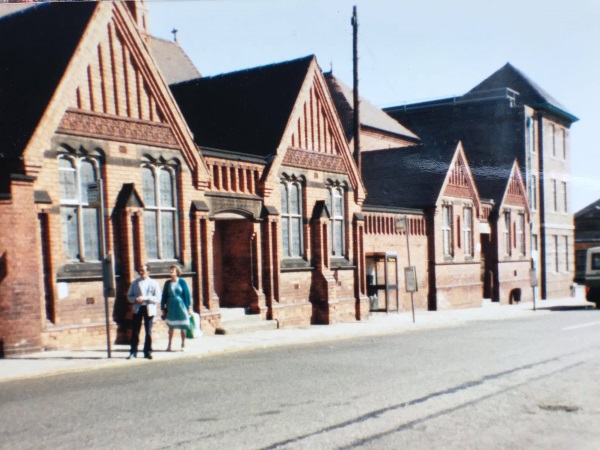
x=245, y=111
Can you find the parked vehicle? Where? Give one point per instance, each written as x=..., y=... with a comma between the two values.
x=592, y=275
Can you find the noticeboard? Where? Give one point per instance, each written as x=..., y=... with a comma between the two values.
x=108, y=275
x=410, y=276
x=533, y=281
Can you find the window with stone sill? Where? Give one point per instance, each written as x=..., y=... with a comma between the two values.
x=80, y=221
x=336, y=206
x=160, y=212
x=291, y=218
x=447, y=243
x=506, y=231
x=468, y=230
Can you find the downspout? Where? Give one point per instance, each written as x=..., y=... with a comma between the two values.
x=542, y=194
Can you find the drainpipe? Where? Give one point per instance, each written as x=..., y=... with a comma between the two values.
x=542, y=209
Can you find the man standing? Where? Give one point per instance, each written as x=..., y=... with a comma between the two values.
x=144, y=293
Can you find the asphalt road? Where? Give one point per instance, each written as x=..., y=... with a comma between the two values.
x=518, y=384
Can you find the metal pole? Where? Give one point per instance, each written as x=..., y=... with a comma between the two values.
x=412, y=301
x=356, y=100
x=103, y=234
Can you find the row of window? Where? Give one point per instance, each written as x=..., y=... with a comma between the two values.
x=292, y=219
x=565, y=240
x=81, y=220
x=558, y=142
x=448, y=231
x=514, y=234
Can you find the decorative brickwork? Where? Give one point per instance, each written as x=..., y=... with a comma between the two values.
x=312, y=160
x=89, y=124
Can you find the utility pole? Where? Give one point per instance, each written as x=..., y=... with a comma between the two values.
x=355, y=88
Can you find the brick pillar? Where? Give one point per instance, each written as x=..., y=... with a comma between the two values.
x=21, y=271
x=259, y=303
x=211, y=299
x=362, y=301
x=323, y=290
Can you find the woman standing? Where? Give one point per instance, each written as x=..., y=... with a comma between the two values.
x=176, y=305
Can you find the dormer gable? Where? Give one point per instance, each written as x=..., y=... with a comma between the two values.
x=314, y=137
x=459, y=179
x=515, y=193
x=112, y=89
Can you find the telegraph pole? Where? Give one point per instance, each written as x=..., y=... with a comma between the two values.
x=355, y=87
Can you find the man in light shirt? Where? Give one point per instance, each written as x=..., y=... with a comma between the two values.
x=144, y=293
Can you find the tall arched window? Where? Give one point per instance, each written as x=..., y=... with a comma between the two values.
x=335, y=205
x=291, y=218
x=160, y=214
x=80, y=220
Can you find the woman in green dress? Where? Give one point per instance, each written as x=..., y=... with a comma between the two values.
x=176, y=305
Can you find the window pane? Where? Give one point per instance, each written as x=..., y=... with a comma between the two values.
x=285, y=233
x=296, y=230
x=294, y=199
x=68, y=183
x=167, y=224
x=338, y=237
x=284, y=199
x=148, y=187
x=87, y=175
x=69, y=232
x=91, y=238
x=166, y=189
x=329, y=202
x=338, y=204
x=150, y=234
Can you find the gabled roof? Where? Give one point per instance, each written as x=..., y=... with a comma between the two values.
x=33, y=58
x=245, y=111
x=407, y=177
x=492, y=180
x=370, y=115
x=174, y=64
x=590, y=211
x=531, y=93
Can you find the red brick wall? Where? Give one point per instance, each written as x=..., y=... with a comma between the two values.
x=21, y=289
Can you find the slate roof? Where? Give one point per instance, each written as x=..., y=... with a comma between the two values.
x=591, y=210
x=407, y=177
x=173, y=62
x=370, y=115
x=530, y=92
x=245, y=111
x=36, y=45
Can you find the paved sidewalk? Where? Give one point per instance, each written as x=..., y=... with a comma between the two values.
x=55, y=362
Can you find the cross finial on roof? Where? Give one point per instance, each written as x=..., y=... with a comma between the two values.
x=174, y=31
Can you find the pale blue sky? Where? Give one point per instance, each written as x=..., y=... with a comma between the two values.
x=412, y=50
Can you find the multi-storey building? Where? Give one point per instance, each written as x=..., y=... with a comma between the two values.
x=508, y=117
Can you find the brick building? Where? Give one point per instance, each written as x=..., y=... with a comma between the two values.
x=260, y=206
x=285, y=195
x=508, y=117
x=88, y=107
x=433, y=187
x=587, y=235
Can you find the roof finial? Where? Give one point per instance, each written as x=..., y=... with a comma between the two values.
x=331, y=67
x=174, y=31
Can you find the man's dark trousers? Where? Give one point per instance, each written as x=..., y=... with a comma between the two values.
x=135, y=332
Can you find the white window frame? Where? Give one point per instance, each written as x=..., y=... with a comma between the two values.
x=447, y=227
x=507, y=233
x=158, y=209
x=289, y=217
x=521, y=233
x=80, y=204
x=468, y=230
x=337, y=220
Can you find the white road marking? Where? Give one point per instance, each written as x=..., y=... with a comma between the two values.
x=583, y=325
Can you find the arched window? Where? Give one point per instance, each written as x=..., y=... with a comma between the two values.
x=335, y=205
x=160, y=214
x=291, y=218
x=80, y=219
